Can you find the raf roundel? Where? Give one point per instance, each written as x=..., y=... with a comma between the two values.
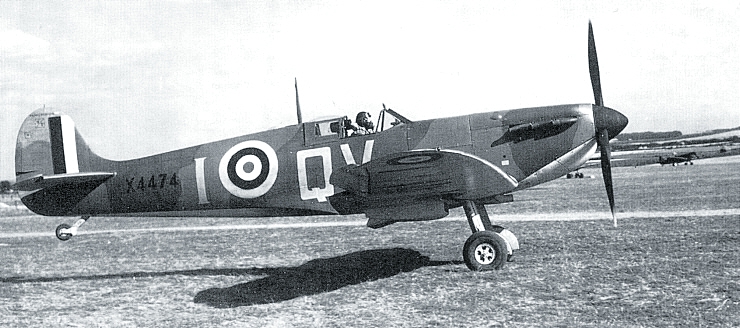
x=414, y=159
x=249, y=169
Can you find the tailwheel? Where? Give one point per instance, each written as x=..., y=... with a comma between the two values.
x=485, y=250
x=63, y=232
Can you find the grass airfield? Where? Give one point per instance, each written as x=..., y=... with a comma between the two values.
x=673, y=261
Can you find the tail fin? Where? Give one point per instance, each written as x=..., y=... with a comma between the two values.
x=54, y=167
x=49, y=144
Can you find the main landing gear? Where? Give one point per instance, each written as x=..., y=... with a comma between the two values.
x=490, y=246
x=65, y=231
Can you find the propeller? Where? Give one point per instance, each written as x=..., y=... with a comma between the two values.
x=607, y=122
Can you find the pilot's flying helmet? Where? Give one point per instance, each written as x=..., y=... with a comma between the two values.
x=363, y=120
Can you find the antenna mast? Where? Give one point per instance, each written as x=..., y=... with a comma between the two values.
x=297, y=103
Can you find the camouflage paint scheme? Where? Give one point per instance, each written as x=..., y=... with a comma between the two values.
x=529, y=146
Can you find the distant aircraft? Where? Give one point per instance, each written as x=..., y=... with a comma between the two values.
x=676, y=159
x=403, y=171
x=649, y=157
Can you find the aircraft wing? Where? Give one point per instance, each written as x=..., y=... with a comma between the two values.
x=430, y=173
x=51, y=181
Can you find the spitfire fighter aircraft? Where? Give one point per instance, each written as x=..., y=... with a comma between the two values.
x=686, y=158
x=403, y=171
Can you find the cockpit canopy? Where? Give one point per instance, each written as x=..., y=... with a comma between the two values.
x=330, y=129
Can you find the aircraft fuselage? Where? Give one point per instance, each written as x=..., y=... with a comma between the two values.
x=286, y=171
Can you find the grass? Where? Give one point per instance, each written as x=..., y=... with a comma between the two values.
x=658, y=272
x=650, y=272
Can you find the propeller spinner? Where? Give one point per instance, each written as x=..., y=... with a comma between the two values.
x=607, y=122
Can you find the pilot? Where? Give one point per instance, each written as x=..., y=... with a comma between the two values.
x=364, y=124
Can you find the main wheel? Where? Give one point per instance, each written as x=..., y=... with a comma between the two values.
x=63, y=236
x=485, y=250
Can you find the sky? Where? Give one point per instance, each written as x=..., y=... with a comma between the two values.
x=140, y=78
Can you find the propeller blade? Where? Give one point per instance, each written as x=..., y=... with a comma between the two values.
x=593, y=67
x=606, y=120
x=606, y=168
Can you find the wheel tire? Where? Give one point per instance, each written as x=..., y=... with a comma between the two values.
x=485, y=250
x=63, y=236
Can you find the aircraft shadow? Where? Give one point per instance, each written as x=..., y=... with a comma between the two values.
x=318, y=276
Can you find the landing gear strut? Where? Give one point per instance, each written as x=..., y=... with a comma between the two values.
x=490, y=246
x=65, y=231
